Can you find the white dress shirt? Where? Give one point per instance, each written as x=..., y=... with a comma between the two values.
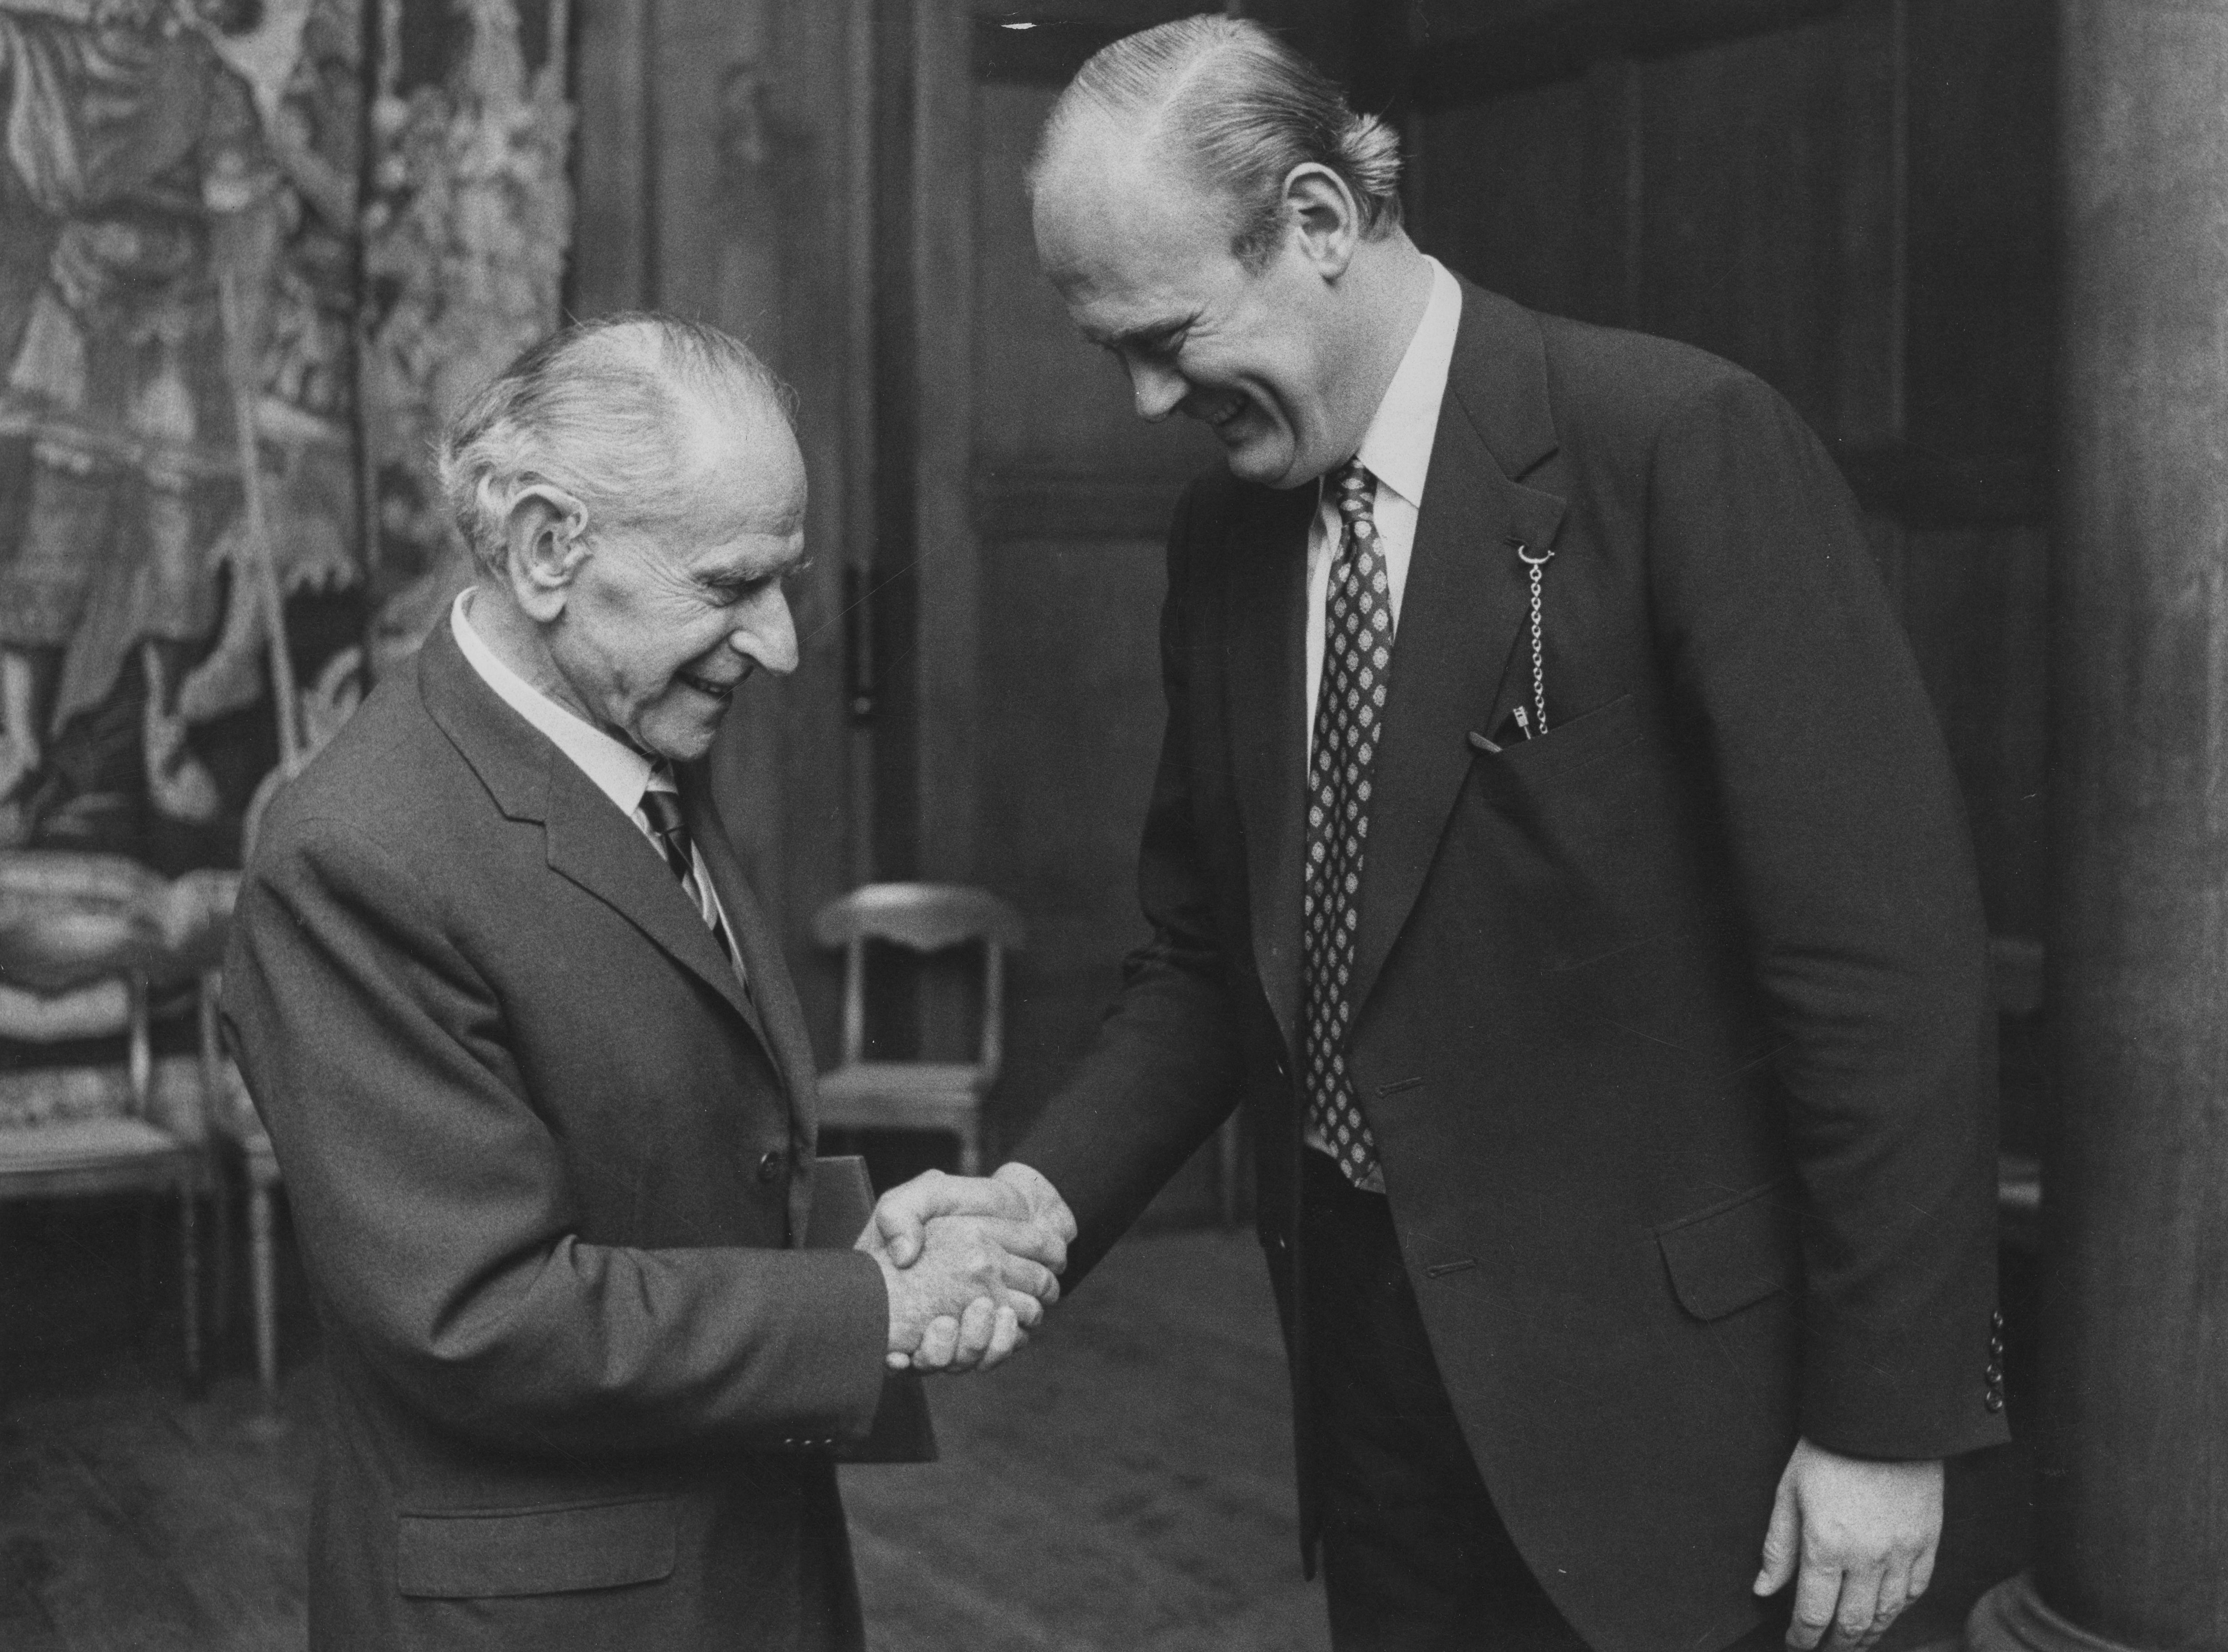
x=1397, y=451
x=619, y=772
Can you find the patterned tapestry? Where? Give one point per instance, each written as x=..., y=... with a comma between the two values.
x=251, y=254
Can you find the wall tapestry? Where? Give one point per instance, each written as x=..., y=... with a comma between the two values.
x=252, y=252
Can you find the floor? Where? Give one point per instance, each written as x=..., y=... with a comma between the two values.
x=1135, y=1459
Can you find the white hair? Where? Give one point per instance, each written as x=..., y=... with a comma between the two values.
x=1240, y=109
x=602, y=410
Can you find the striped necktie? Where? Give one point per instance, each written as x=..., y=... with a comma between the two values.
x=662, y=809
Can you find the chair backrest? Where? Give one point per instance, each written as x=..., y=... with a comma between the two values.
x=922, y=917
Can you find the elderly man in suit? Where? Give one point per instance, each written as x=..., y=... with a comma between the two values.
x=1553, y=851
x=539, y=1082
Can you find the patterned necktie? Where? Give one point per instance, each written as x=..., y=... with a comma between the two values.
x=1349, y=720
x=662, y=810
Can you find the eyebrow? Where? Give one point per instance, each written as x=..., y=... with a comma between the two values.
x=725, y=577
x=1157, y=332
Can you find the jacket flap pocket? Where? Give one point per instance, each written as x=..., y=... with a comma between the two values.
x=1734, y=1254
x=535, y=1550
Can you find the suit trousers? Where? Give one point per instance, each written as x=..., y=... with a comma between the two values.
x=1415, y=1557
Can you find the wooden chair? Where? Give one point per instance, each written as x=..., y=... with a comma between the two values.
x=859, y=1094
x=233, y=1121
x=79, y=936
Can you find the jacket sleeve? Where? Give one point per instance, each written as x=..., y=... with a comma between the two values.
x=1164, y=1068
x=1853, y=874
x=431, y=1202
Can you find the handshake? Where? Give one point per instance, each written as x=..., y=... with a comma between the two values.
x=970, y=1264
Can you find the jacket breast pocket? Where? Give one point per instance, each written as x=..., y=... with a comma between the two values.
x=1577, y=744
x=1583, y=828
x=479, y=1553
x=1735, y=1254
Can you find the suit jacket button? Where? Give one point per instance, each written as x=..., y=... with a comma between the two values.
x=770, y=1166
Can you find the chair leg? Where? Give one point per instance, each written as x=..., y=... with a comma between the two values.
x=970, y=1148
x=189, y=1272
x=263, y=1281
x=1227, y=1164
x=223, y=1247
x=212, y=1090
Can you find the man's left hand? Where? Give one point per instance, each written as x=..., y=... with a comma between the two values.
x=1858, y=1538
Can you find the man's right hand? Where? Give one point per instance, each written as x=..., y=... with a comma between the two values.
x=1013, y=1227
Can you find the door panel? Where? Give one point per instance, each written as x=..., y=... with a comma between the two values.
x=1071, y=497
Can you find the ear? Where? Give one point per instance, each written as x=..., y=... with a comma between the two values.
x=546, y=537
x=1318, y=202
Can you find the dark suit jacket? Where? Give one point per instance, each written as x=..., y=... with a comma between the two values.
x=1673, y=1026
x=548, y=1166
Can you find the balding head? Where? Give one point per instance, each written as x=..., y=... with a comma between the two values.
x=626, y=413
x=1230, y=110
x=1215, y=216
x=635, y=499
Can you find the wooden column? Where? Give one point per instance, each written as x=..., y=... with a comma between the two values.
x=2132, y=1525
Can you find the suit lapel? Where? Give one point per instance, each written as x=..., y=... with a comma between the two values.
x=1464, y=607
x=771, y=1000
x=779, y=1019
x=596, y=847
x=1266, y=666
x=588, y=841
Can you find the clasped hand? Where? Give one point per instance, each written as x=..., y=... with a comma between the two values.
x=970, y=1264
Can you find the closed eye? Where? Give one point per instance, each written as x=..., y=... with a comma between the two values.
x=1160, y=343
x=726, y=592
x=1162, y=346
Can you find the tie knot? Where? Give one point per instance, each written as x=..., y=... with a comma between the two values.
x=663, y=811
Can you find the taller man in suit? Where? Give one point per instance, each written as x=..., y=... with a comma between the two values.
x=1554, y=852
x=538, y=1083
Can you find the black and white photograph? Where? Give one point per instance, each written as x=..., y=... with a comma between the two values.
x=1114, y=826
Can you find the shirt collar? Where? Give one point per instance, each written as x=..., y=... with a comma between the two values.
x=1398, y=449
x=619, y=772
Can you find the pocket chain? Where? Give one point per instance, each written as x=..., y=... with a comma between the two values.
x=1538, y=644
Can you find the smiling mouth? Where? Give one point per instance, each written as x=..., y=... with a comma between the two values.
x=1217, y=412
x=708, y=687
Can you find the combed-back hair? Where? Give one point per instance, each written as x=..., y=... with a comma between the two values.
x=1239, y=109
x=603, y=409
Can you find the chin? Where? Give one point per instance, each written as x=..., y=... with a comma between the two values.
x=684, y=744
x=1264, y=460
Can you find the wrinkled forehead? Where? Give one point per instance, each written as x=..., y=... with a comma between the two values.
x=731, y=504
x=740, y=472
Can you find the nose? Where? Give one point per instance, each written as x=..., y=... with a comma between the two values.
x=1154, y=387
x=766, y=631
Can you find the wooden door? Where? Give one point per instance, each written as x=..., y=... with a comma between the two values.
x=722, y=168
x=1019, y=579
